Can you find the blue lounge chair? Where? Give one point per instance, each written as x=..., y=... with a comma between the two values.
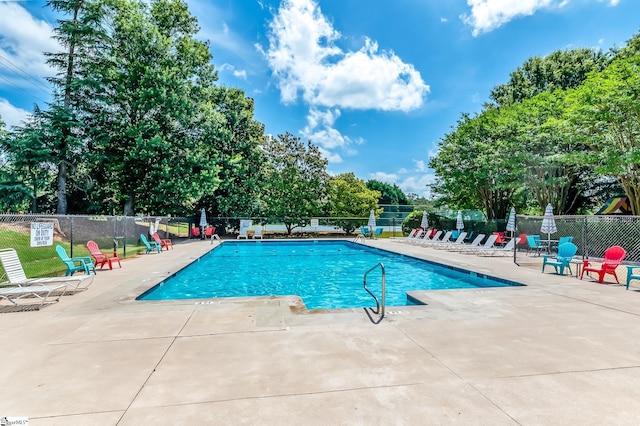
x=378, y=232
x=150, y=245
x=562, y=260
x=75, y=264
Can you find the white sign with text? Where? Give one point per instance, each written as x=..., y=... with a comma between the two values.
x=41, y=234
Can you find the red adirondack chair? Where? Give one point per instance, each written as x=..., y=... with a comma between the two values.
x=165, y=243
x=612, y=259
x=101, y=258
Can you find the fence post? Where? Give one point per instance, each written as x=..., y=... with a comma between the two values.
x=71, y=237
x=585, y=242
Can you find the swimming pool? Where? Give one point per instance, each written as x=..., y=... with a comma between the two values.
x=325, y=274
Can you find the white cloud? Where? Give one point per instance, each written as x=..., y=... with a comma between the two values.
x=389, y=178
x=240, y=74
x=417, y=184
x=11, y=115
x=305, y=59
x=236, y=73
x=320, y=131
x=23, y=38
x=332, y=157
x=487, y=15
x=308, y=64
x=409, y=182
x=420, y=165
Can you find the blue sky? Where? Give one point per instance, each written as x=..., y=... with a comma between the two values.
x=374, y=83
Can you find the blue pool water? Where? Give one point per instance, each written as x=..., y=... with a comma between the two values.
x=325, y=274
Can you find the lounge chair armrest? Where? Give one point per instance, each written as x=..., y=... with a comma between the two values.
x=83, y=259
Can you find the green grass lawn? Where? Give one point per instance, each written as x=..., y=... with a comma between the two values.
x=43, y=261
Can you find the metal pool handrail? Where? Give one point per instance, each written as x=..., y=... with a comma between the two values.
x=379, y=305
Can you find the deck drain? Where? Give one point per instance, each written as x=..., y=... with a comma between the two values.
x=485, y=291
x=208, y=303
x=397, y=312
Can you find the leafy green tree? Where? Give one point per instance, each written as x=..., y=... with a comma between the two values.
x=30, y=151
x=562, y=69
x=604, y=110
x=80, y=33
x=155, y=81
x=474, y=165
x=233, y=136
x=389, y=194
x=295, y=180
x=350, y=197
x=546, y=149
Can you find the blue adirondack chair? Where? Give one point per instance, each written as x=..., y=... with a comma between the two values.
x=75, y=264
x=562, y=260
x=631, y=275
x=562, y=240
x=535, y=243
x=378, y=232
x=150, y=245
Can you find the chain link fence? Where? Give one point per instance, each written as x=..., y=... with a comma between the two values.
x=111, y=233
x=591, y=234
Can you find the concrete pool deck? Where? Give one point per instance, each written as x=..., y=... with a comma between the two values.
x=557, y=351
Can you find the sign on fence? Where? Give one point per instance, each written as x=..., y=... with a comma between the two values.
x=314, y=223
x=244, y=225
x=41, y=234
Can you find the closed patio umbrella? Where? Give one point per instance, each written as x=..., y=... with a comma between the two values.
x=425, y=221
x=459, y=222
x=203, y=222
x=372, y=221
x=548, y=224
x=511, y=222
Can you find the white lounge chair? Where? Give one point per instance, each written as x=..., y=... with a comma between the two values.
x=39, y=292
x=257, y=233
x=436, y=241
x=415, y=234
x=474, y=244
x=498, y=251
x=242, y=234
x=491, y=240
x=452, y=244
x=16, y=276
x=426, y=238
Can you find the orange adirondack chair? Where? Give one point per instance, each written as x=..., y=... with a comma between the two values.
x=101, y=258
x=612, y=259
x=164, y=243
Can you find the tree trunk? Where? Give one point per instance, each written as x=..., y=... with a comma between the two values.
x=129, y=205
x=62, y=188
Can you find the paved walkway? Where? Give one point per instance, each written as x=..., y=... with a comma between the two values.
x=558, y=351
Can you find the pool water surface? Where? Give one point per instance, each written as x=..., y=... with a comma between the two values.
x=325, y=274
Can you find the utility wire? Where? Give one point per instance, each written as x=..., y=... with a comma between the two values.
x=33, y=80
x=23, y=89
